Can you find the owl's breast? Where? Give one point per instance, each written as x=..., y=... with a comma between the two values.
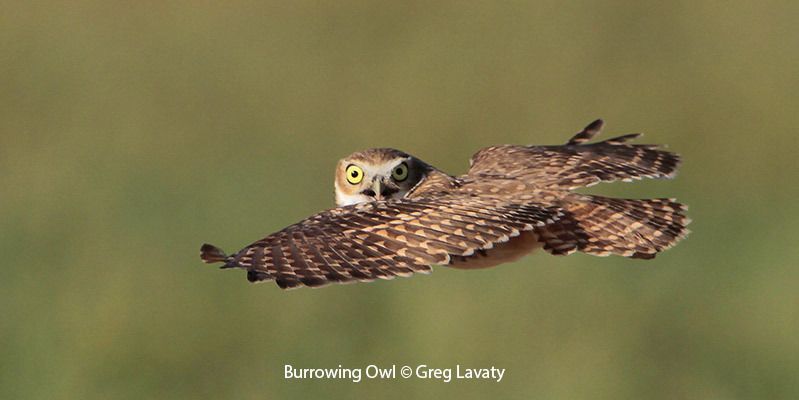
x=501, y=253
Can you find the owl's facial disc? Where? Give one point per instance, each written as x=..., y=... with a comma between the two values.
x=364, y=181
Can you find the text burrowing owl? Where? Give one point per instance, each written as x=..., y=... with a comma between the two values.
x=397, y=215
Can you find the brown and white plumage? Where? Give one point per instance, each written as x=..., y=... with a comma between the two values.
x=398, y=215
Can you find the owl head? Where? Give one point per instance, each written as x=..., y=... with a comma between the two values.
x=377, y=174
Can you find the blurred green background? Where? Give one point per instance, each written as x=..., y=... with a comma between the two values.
x=132, y=133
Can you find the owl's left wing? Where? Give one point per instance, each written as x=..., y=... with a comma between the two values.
x=577, y=163
x=381, y=240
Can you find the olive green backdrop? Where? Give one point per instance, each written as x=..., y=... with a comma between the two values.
x=132, y=133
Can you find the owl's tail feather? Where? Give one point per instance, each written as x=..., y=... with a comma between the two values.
x=601, y=226
x=211, y=254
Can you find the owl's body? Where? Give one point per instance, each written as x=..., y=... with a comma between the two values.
x=512, y=250
x=398, y=215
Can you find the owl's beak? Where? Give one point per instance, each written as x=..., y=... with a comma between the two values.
x=380, y=190
x=377, y=188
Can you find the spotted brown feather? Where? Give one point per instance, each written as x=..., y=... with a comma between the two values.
x=382, y=240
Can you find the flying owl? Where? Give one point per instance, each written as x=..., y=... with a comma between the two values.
x=397, y=215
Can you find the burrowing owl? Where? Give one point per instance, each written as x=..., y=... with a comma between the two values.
x=398, y=215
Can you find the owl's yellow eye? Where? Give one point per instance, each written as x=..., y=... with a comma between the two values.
x=354, y=174
x=400, y=172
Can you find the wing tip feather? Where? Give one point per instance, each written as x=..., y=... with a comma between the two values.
x=211, y=254
x=591, y=130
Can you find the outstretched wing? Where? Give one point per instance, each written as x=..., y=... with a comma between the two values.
x=576, y=164
x=381, y=240
x=601, y=226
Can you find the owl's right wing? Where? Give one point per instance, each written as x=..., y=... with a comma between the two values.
x=576, y=163
x=381, y=240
